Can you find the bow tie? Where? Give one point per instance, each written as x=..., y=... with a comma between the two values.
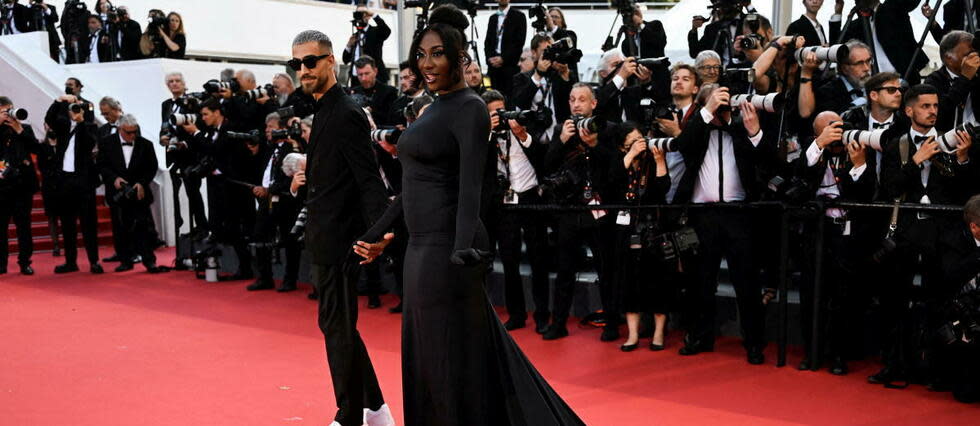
x=875, y=126
x=920, y=139
x=127, y=144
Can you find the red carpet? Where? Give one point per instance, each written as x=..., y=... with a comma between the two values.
x=139, y=349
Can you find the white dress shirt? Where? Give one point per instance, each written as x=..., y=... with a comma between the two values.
x=68, y=163
x=267, y=174
x=522, y=176
x=675, y=164
x=926, y=165
x=828, y=185
x=546, y=95
x=819, y=29
x=127, y=151
x=720, y=158
x=501, y=17
x=93, y=56
x=871, y=126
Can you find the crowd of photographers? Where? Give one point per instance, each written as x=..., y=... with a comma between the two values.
x=106, y=33
x=827, y=113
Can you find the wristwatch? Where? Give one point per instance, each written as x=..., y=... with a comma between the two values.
x=805, y=80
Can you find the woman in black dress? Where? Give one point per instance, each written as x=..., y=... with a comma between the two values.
x=459, y=365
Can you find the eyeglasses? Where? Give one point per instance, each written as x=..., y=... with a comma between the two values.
x=310, y=61
x=891, y=90
x=710, y=68
x=869, y=62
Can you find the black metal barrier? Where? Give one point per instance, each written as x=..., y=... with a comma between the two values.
x=788, y=211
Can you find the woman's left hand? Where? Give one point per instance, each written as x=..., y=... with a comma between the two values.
x=371, y=251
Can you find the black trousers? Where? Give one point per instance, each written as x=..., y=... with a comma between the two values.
x=575, y=232
x=502, y=78
x=724, y=233
x=119, y=238
x=281, y=217
x=16, y=205
x=75, y=200
x=138, y=236
x=513, y=227
x=229, y=208
x=354, y=382
x=192, y=186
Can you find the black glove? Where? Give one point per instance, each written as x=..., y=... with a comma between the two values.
x=468, y=257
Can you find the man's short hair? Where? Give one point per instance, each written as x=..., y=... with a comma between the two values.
x=314, y=36
x=127, y=120
x=971, y=210
x=682, y=66
x=855, y=44
x=247, y=75
x=583, y=85
x=273, y=116
x=364, y=61
x=404, y=65
x=4, y=101
x=111, y=102
x=212, y=104
x=606, y=60
x=704, y=56
x=876, y=81
x=538, y=39
x=492, y=96
x=173, y=74
x=77, y=82
x=951, y=40
x=912, y=96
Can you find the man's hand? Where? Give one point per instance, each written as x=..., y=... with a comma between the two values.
x=718, y=98
x=857, y=153
x=543, y=66
x=830, y=134
x=628, y=68
x=926, y=10
x=590, y=139
x=352, y=41
x=750, y=119
x=839, y=7
x=810, y=65
x=119, y=182
x=494, y=120
x=925, y=152
x=299, y=179
x=519, y=131
x=260, y=192
x=68, y=98
x=140, y=192
x=263, y=100
x=190, y=128
x=697, y=22
x=567, y=131
x=963, y=144
x=970, y=65
x=496, y=61
x=371, y=251
x=562, y=71
x=670, y=128
x=7, y=118
x=225, y=93
x=639, y=145
x=643, y=74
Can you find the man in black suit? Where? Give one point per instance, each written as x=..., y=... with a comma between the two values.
x=842, y=93
x=649, y=42
x=720, y=34
x=128, y=164
x=111, y=111
x=812, y=30
x=409, y=89
x=126, y=34
x=956, y=82
x=545, y=88
x=960, y=251
x=502, y=45
x=720, y=159
x=95, y=47
x=344, y=194
x=380, y=95
x=15, y=18
x=916, y=169
x=180, y=155
x=18, y=183
x=367, y=40
x=958, y=15
x=75, y=178
x=615, y=73
x=892, y=27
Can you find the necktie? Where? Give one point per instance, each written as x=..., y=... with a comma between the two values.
x=875, y=126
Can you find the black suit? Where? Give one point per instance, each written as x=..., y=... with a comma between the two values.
x=181, y=159
x=803, y=27
x=381, y=98
x=652, y=41
x=834, y=96
x=103, y=48
x=561, y=33
x=54, y=42
x=135, y=220
x=718, y=36
x=961, y=263
x=344, y=194
x=373, y=43
x=894, y=29
x=524, y=91
x=514, y=33
x=277, y=213
x=952, y=97
x=954, y=16
x=17, y=189
x=129, y=48
x=23, y=19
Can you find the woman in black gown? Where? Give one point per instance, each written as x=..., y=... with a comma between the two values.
x=459, y=365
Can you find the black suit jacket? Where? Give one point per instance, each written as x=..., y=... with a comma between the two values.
x=524, y=90
x=952, y=96
x=832, y=96
x=653, y=40
x=228, y=156
x=391, y=167
x=23, y=18
x=515, y=32
x=692, y=143
x=344, y=188
x=103, y=48
x=142, y=165
x=381, y=97
x=15, y=151
x=960, y=257
x=709, y=40
x=954, y=16
x=131, y=34
x=803, y=27
x=86, y=138
x=894, y=29
x=897, y=179
x=374, y=39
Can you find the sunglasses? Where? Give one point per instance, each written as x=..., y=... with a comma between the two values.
x=891, y=90
x=310, y=61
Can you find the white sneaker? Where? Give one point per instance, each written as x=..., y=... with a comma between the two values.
x=382, y=417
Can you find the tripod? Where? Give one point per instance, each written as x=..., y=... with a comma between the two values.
x=474, y=33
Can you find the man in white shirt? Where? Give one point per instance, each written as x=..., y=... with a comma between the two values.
x=503, y=43
x=956, y=81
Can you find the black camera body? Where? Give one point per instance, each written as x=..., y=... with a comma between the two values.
x=562, y=51
x=252, y=137
x=360, y=20
x=563, y=186
x=750, y=41
x=653, y=110
x=292, y=132
x=539, y=13
x=962, y=318
x=215, y=86
x=204, y=166
x=794, y=189
x=126, y=192
x=299, y=227
x=589, y=123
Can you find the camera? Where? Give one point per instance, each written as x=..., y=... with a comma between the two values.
x=750, y=41
x=299, y=227
x=80, y=107
x=292, y=132
x=301, y=109
x=389, y=135
x=215, y=86
x=19, y=114
x=183, y=119
x=201, y=169
x=795, y=189
x=737, y=77
x=253, y=137
x=837, y=53
x=561, y=186
x=589, y=123
x=868, y=138
x=525, y=118
x=191, y=102
x=664, y=144
x=539, y=14
x=155, y=24
x=653, y=110
x=126, y=192
x=654, y=62
x=562, y=51
x=947, y=141
x=767, y=103
x=360, y=20
x=962, y=315
x=258, y=92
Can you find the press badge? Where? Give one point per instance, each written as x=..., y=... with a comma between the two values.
x=510, y=197
x=623, y=218
x=597, y=214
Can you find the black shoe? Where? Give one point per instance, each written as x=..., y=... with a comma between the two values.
x=629, y=348
x=114, y=258
x=514, y=324
x=805, y=365
x=24, y=270
x=397, y=309
x=374, y=302
x=123, y=267
x=287, y=286
x=311, y=295
x=609, y=334
x=242, y=276
x=540, y=326
x=886, y=376
x=755, y=356
x=838, y=366
x=56, y=252
x=261, y=284
x=656, y=348
x=66, y=268
x=693, y=348
x=96, y=269
x=555, y=331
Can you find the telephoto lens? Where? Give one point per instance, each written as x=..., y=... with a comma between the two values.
x=258, y=92
x=21, y=114
x=767, y=103
x=868, y=138
x=183, y=119
x=585, y=123
x=665, y=144
x=215, y=86
x=389, y=135
x=837, y=53
x=78, y=108
x=653, y=62
x=947, y=141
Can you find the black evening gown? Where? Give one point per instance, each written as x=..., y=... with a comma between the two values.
x=459, y=364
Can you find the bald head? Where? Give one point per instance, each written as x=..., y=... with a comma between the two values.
x=823, y=119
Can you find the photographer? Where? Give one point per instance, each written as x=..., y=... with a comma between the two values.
x=956, y=81
x=276, y=215
x=839, y=171
x=543, y=89
x=126, y=34
x=224, y=162
x=720, y=34
x=841, y=93
x=286, y=93
x=812, y=30
x=367, y=40
x=18, y=183
x=891, y=30
x=173, y=37
x=244, y=113
x=615, y=72
x=74, y=176
x=580, y=168
x=474, y=78
x=517, y=183
x=111, y=110
x=915, y=169
x=96, y=47
x=151, y=43
x=15, y=18
x=720, y=159
x=128, y=164
x=649, y=40
x=708, y=65
x=881, y=111
x=180, y=155
x=643, y=277
x=409, y=89
x=381, y=95
x=505, y=35
x=684, y=86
